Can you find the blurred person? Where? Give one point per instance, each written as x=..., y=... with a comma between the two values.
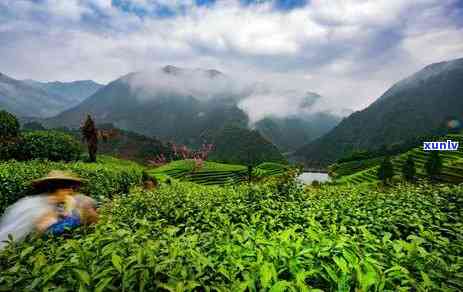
x=69, y=208
x=56, y=209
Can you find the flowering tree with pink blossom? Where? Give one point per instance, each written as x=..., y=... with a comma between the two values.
x=158, y=160
x=182, y=152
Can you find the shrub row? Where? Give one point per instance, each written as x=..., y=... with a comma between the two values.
x=104, y=179
x=51, y=145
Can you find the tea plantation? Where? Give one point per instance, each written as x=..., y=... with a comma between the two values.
x=452, y=170
x=275, y=236
x=213, y=173
x=106, y=178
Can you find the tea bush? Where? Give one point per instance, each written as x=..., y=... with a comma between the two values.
x=51, y=145
x=187, y=237
x=109, y=177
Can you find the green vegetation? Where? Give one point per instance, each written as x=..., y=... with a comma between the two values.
x=130, y=145
x=386, y=170
x=433, y=165
x=237, y=145
x=254, y=238
x=51, y=145
x=409, y=170
x=269, y=169
x=9, y=125
x=213, y=173
x=124, y=144
x=350, y=167
x=9, y=135
x=452, y=166
x=108, y=177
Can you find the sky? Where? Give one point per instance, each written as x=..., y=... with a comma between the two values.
x=348, y=51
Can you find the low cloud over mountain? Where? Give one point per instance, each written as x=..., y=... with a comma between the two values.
x=186, y=105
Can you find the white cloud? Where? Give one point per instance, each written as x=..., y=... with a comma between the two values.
x=352, y=50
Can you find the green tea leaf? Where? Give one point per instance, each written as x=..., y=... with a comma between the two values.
x=102, y=284
x=83, y=276
x=117, y=262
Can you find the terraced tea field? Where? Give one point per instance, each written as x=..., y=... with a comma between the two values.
x=452, y=161
x=213, y=173
x=351, y=167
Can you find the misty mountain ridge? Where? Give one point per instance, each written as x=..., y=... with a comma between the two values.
x=29, y=98
x=419, y=105
x=437, y=70
x=184, y=105
x=74, y=91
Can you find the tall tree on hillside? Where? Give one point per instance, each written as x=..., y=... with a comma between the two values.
x=90, y=135
x=408, y=169
x=9, y=135
x=433, y=165
x=386, y=170
x=9, y=126
x=249, y=173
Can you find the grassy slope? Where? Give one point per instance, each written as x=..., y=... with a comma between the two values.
x=213, y=173
x=452, y=170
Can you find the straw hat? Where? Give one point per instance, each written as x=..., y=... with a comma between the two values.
x=57, y=176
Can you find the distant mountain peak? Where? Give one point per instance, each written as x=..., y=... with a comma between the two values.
x=42, y=99
x=428, y=72
x=169, y=69
x=213, y=73
x=174, y=70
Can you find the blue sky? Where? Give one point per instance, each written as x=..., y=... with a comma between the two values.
x=167, y=10
x=348, y=51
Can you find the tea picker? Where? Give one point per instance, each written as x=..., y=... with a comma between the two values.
x=58, y=208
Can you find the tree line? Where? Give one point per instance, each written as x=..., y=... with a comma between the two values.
x=432, y=166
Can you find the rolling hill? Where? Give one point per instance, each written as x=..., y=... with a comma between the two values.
x=419, y=105
x=239, y=145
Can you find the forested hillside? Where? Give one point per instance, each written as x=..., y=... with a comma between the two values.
x=422, y=104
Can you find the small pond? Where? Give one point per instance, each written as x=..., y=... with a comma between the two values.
x=309, y=177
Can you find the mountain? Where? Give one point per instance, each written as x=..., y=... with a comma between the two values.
x=182, y=105
x=73, y=92
x=131, y=103
x=239, y=145
x=419, y=105
x=290, y=133
x=27, y=98
x=23, y=99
